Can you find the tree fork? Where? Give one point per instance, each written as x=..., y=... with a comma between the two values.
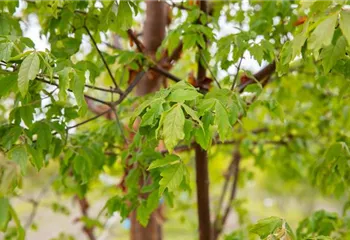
x=202, y=174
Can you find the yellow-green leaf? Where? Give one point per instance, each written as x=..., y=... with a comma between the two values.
x=28, y=71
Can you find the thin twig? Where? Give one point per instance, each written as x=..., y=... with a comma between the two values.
x=90, y=119
x=103, y=59
x=70, y=90
x=165, y=73
x=45, y=77
x=236, y=76
x=36, y=202
x=208, y=67
x=114, y=104
x=155, y=68
x=220, y=222
x=120, y=126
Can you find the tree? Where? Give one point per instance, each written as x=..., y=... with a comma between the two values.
x=152, y=103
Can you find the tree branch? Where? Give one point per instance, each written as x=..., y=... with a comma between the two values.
x=262, y=76
x=36, y=202
x=236, y=76
x=45, y=77
x=234, y=166
x=70, y=90
x=134, y=38
x=155, y=68
x=103, y=60
x=114, y=104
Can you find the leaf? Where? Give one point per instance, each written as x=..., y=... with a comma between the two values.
x=145, y=210
x=204, y=135
x=323, y=34
x=78, y=84
x=27, y=114
x=63, y=77
x=19, y=155
x=222, y=121
x=171, y=178
x=6, y=50
x=181, y=95
x=44, y=135
x=173, y=126
x=331, y=54
x=299, y=40
x=167, y=160
x=192, y=114
x=6, y=84
x=28, y=71
x=37, y=158
x=152, y=114
x=266, y=226
x=344, y=23
x=257, y=52
x=4, y=213
x=124, y=16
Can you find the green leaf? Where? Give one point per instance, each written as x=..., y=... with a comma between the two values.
x=6, y=84
x=6, y=51
x=44, y=135
x=204, y=135
x=4, y=213
x=331, y=54
x=192, y=114
x=37, y=158
x=181, y=95
x=266, y=226
x=344, y=23
x=64, y=78
x=145, y=210
x=78, y=85
x=19, y=155
x=171, y=177
x=28, y=71
x=27, y=114
x=167, y=160
x=323, y=34
x=299, y=40
x=258, y=52
x=173, y=126
x=124, y=16
x=222, y=121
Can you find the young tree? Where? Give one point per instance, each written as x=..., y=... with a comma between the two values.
x=144, y=91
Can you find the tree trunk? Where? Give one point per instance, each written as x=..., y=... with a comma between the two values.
x=202, y=174
x=153, y=35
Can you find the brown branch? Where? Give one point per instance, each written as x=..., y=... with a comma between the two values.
x=262, y=76
x=114, y=104
x=84, y=206
x=134, y=38
x=165, y=73
x=155, y=68
x=220, y=222
x=103, y=60
x=201, y=159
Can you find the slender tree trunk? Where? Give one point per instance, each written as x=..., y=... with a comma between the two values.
x=153, y=35
x=202, y=173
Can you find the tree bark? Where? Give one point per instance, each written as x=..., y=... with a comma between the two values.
x=153, y=35
x=202, y=173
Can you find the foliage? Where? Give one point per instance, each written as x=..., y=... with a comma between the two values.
x=294, y=123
